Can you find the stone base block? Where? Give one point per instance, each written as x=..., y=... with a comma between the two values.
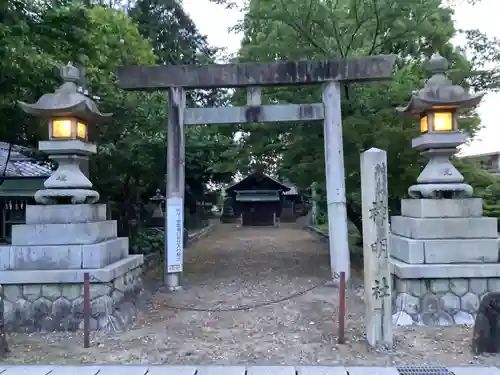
x=63, y=234
x=442, y=208
x=444, y=228
x=65, y=213
x=440, y=294
x=63, y=257
x=444, y=251
x=444, y=271
x=104, y=274
x=439, y=302
x=32, y=304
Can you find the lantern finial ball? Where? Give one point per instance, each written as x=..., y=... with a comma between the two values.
x=70, y=73
x=438, y=64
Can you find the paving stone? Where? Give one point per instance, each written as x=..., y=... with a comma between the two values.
x=402, y=319
x=77, y=306
x=408, y=303
x=482, y=296
x=61, y=308
x=98, y=290
x=51, y=292
x=101, y=306
x=463, y=318
x=23, y=312
x=32, y=292
x=416, y=287
x=478, y=286
x=440, y=286
x=12, y=292
x=430, y=303
x=470, y=302
x=450, y=303
x=117, y=296
x=494, y=285
x=72, y=291
x=459, y=286
x=41, y=307
x=119, y=284
x=428, y=319
x=445, y=319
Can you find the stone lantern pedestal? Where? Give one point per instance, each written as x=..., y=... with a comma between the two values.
x=42, y=271
x=444, y=253
x=444, y=260
x=67, y=234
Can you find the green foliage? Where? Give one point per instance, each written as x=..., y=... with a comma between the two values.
x=320, y=29
x=148, y=241
x=37, y=37
x=486, y=186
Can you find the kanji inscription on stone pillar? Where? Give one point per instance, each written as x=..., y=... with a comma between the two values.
x=376, y=248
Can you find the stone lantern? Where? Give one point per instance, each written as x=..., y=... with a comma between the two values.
x=444, y=252
x=438, y=105
x=158, y=216
x=69, y=113
x=67, y=243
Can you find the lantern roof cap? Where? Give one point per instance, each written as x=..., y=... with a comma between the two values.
x=440, y=92
x=67, y=100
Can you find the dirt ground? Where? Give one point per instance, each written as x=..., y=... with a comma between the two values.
x=279, y=271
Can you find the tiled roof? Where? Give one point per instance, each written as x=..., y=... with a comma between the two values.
x=20, y=164
x=293, y=189
x=274, y=179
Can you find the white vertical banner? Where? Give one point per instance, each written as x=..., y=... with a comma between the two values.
x=175, y=234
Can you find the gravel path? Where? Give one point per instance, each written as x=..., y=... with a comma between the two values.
x=282, y=270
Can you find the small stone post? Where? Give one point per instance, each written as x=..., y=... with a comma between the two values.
x=314, y=208
x=375, y=248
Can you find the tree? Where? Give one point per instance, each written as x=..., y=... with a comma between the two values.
x=314, y=29
x=176, y=40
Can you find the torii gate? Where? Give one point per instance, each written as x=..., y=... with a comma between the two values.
x=178, y=78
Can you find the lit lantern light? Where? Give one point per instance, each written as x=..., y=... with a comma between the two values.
x=67, y=128
x=438, y=106
x=442, y=121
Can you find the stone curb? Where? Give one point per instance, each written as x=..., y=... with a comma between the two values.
x=324, y=235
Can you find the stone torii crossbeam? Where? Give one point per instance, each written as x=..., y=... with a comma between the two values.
x=178, y=78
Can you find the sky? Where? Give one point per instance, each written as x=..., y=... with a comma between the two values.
x=213, y=20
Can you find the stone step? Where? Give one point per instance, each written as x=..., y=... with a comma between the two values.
x=63, y=257
x=100, y=275
x=65, y=213
x=444, y=228
x=63, y=234
x=447, y=251
x=442, y=208
x=444, y=271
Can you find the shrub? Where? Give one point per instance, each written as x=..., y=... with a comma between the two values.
x=147, y=241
